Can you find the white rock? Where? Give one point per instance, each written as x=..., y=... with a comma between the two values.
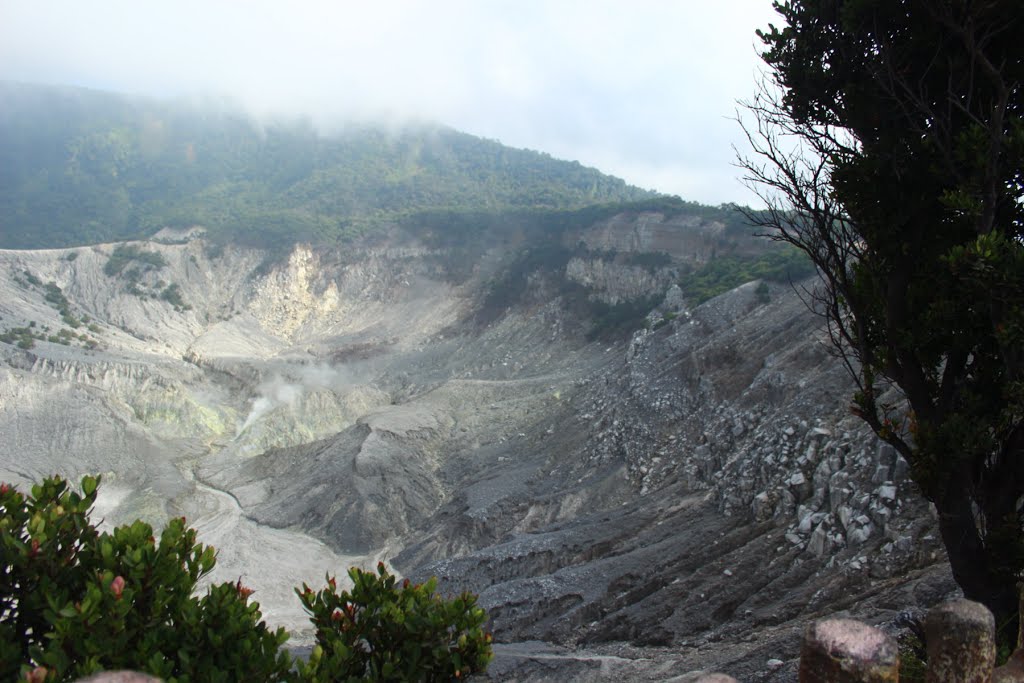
x=822, y=473
x=880, y=514
x=886, y=493
x=881, y=474
x=845, y=514
x=837, y=496
x=819, y=543
x=901, y=469
x=787, y=501
x=859, y=535
x=762, y=506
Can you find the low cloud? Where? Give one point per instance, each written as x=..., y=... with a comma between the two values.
x=647, y=81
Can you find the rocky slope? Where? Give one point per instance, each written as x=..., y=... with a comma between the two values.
x=681, y=498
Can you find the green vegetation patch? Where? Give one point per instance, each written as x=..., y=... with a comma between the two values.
x=724, y=273
x=130, y=263
x=26, y=337
x=172, y=295
x=620, y=319
x=54, y=296
x=22, y=337
x=133, y=254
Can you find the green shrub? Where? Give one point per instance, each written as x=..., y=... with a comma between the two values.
x=383, y=632
x=172, y=295
x=23, y=337
x=74, y=601
x=131, y=253
x=762, y=294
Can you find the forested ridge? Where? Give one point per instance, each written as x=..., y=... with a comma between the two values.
x=80, y=166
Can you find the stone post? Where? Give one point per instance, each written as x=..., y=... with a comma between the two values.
x=847, y=651
x=961, y=642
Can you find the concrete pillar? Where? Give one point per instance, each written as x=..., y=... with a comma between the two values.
x=847, y=651
x=961, y=642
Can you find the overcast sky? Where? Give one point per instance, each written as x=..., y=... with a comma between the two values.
x=640, y=89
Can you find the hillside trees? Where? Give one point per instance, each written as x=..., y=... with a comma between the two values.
x=81, y=167
x=888, y=143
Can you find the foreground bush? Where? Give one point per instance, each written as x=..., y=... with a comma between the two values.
x=74, y=601
x=382, y=632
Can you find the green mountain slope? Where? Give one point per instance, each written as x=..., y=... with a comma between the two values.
x=80, y=166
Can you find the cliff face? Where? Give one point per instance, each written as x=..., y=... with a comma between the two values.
x=698, y=487
x=684, y=237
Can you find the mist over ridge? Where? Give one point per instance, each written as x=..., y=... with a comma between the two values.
x=82, y=167
x=642, y=90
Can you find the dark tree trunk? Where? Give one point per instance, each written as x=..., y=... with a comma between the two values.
x=974, y=563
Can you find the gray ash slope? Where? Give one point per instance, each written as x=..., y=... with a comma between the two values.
x=679, y=499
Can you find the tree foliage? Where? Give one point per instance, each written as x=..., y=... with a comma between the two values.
x=74, y=601
x=888, y=144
